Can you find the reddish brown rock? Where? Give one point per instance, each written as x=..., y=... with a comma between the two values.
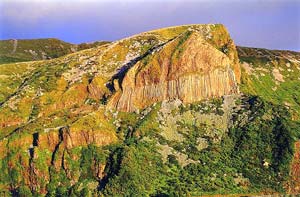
x=294, y=184
x=188, y=68
x=97, y=88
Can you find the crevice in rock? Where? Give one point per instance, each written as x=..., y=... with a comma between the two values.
x=35, y=139
x=32, y=173
x=61, y=132
x=61, y=138
x=124, y=69
x=63, y=165
x=112, y=168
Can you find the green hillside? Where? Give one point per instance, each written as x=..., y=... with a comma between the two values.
x=272, y=74
x=20, y=50
x=62, y=135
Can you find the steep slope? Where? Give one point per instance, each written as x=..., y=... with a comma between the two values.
x=20, y=50
x=155, y=114
x=294, y=184
x=37, y=90
x=273, y=75
x=187, y=68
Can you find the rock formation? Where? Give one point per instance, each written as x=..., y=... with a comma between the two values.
x=66, y=127
x=187, y=68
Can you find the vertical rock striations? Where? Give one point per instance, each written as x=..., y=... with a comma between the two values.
x=188, y=68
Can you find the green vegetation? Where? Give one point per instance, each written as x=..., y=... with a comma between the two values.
x=235, y=165
x=262, y=80
x=60, y=136
x=28, y=50
x=39, y=49
x=250, y=158
x=141, y=167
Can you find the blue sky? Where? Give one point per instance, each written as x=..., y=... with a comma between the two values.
x=273, y=24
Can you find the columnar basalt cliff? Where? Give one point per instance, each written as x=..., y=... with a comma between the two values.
x=187, y=68
x=167, y=112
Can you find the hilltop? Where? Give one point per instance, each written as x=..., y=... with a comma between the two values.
x=20, y=50
x=171, y=112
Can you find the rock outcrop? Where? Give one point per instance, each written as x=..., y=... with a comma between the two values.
x=65, y=127
x=36, y=157
x=188, y=68
x=294, y=184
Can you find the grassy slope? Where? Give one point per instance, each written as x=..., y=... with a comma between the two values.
x=259, y=76
x=38, y=49
x=274, y=75
x=48, y=100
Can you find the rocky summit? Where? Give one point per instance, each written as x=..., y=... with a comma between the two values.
x=178, y=111
x=187, y=67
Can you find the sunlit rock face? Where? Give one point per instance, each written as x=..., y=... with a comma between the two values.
x=187, y=68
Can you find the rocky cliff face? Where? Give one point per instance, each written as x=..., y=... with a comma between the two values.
x=188, y=68
x=152, y=109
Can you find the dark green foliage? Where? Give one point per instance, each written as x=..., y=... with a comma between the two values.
x=266, y=138
x=172, y=160
x=141, y=167
x=90, y=158
x=83, y=46
x=251, y=157
x=6, y=59
x=29, y=50
x=208, y=154
x=255, y=60
x=235, y=165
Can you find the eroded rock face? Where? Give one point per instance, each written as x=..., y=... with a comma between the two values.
x=72, y=138
x=294, y=185
x=187, y=68
x=54, y=148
